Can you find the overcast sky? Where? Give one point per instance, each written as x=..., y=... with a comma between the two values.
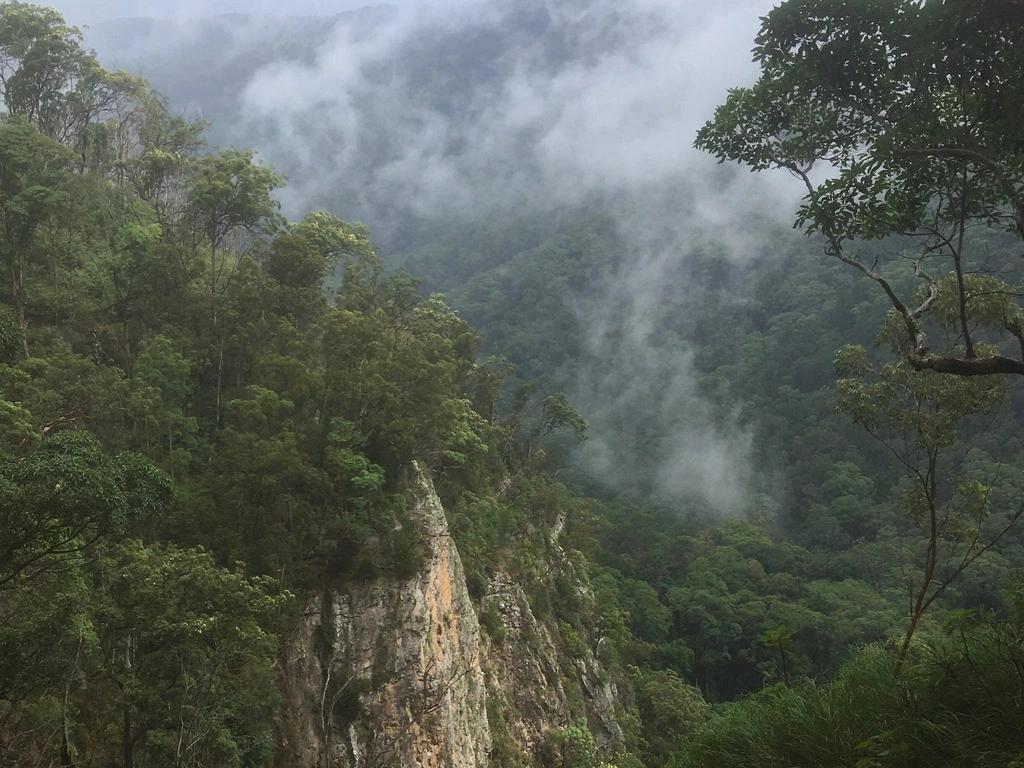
x=94, y=11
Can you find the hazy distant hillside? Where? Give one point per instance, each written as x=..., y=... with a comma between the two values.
x=449, y=109
x=531, y=158
x=204, y=65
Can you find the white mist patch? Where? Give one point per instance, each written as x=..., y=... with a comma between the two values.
x=652, y=431
x=650, y=422
x=536, y=102
x=712, y=465
x=96, y=11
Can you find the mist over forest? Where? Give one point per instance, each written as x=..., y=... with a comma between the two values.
x=514, y=115
x=511, y=384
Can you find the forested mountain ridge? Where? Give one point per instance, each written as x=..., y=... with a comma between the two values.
x=221, y=431
x=197, y=439
x=402, y=115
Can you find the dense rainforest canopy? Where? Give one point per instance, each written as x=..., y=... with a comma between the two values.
x=193, y=427
x=207, y=411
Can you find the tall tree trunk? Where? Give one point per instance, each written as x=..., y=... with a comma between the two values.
x=17, y=294
x=922, y=601
x=220, y=380
x=65, y=751
x=127, y=746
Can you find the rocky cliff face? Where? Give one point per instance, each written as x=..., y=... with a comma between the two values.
x=533, y=685
x=389, y=672
x=396, y=673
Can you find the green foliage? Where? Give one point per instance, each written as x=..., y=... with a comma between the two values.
x=186, y=645
x=47, y=76
x=43, y=627
x=575, y=643
x=232, y=191
x=832, y=552
x=571, y=747
x=158, y=639
x=186, y=379
x=670, y=709
x=951, y=704
x=16, y=429
x=293, y=262
x=700, y=605
x=897, y=99
x=505, y=752
x=65, y=496
x=517, y=298
x=10, y=336
x=490, y=620
x=920, y=417
x=927, y=408
x=164, y=403
x=559, y=414
x=34, y=169
x=781, y=641
x=343, y=248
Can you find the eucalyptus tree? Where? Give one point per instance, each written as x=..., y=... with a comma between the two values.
x=64, y=497
x=42, y=63
x=920, y=417
x=48, y=78
x=230, y=192
x=182, y=658
x=901, y=118
x=33, y=172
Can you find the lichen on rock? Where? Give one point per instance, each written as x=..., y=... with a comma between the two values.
x=395, y=672
x=389, y=672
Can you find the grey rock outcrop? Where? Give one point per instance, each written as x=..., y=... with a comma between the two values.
x=537, y=686
x=389, y=673
x=396, y=673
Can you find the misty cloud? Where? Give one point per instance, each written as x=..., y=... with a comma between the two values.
x=639, y=383
x=452, y=107
x=473, y=109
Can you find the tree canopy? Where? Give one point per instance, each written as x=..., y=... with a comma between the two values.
x=208, y=413
x=902, y=120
